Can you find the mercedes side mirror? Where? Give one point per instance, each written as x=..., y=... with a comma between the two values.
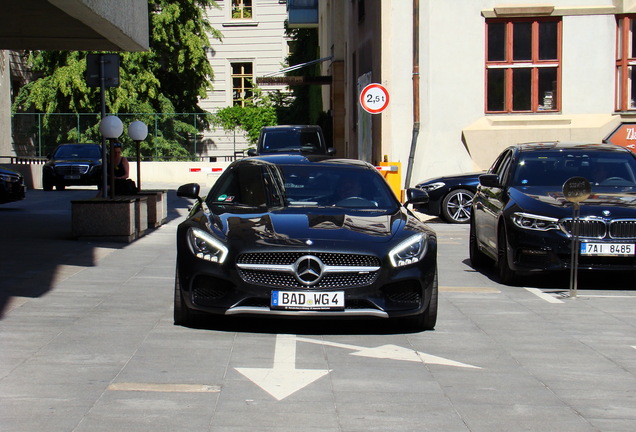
x=416, y=196
x=190, y=190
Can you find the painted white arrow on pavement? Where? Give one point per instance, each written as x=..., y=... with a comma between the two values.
x=392, y=352
x=283, y=379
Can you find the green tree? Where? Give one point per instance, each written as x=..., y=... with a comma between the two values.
x=168, y=78
x=259, y=111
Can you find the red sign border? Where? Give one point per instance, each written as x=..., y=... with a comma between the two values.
x=366, y=89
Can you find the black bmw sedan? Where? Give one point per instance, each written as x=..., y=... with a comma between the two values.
x=450, y=197
x=305, y=236
x=522, y=221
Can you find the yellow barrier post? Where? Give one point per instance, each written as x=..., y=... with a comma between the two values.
x=392, y=172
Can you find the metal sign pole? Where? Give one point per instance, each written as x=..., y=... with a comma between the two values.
x=111, y=171
x=102, y=85
x=576, y=213
x=137, y=144
x=102, y=70
x=575, y=190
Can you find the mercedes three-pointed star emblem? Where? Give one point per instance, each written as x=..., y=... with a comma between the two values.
x=308, y=269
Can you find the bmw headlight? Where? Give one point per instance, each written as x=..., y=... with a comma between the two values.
x=432, y=186
x=535, y=222
x=205, y=246
x=409, y=251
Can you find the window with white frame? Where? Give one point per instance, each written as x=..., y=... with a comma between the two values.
x=242, y=9
x=523, y=65
x=626, y=63
x=242, y=82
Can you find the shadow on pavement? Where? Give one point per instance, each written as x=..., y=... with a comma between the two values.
x=587, y=279
x=37, y=244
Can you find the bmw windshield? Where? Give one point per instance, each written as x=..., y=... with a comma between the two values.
x=610, y=169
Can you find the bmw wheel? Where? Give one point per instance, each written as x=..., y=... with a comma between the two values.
x=477, y=257
x=507, y=276
x=456, y=206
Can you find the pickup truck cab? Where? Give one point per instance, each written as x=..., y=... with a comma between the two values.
x=292, y=139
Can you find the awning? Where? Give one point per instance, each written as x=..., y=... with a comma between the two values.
x=272, y=79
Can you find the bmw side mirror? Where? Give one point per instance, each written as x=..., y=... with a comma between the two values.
x=489, y=180
x=416, y=196
x=252, y=152
x=331, y=151
x=190, y=190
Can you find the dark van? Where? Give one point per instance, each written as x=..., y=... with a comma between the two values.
x=293, y=139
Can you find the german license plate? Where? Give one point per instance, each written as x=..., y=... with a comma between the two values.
x=607, y=249
x=71, y=177
x=308, y=300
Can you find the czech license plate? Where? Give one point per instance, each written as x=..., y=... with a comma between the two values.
x=71, y=177
x=607, y=249
x=308, y=300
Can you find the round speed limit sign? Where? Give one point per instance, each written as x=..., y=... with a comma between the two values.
x=374, y=98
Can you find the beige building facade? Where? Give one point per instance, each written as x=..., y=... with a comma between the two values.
x=6, y=147
x=468, y=78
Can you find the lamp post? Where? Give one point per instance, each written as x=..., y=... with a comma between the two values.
x=138, y=131
x=111, y=128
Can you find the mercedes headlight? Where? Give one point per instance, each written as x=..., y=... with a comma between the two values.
x=206, y=247
x=535, y=222
x=409, y=251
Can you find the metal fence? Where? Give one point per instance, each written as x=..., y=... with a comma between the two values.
x=30, y=138
x=22, y=160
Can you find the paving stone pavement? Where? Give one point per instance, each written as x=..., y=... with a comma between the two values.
x=87, y=343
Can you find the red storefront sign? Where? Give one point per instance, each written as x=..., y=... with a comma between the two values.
x=624, y=135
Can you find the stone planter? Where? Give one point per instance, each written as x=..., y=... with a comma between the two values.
x=141, y=215
x=122, y=219
x=157, y=207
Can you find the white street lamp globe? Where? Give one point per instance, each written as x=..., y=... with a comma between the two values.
x=138, y=130
x=111, y=127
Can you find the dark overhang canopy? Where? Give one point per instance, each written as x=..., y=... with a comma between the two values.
x=105, y=25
